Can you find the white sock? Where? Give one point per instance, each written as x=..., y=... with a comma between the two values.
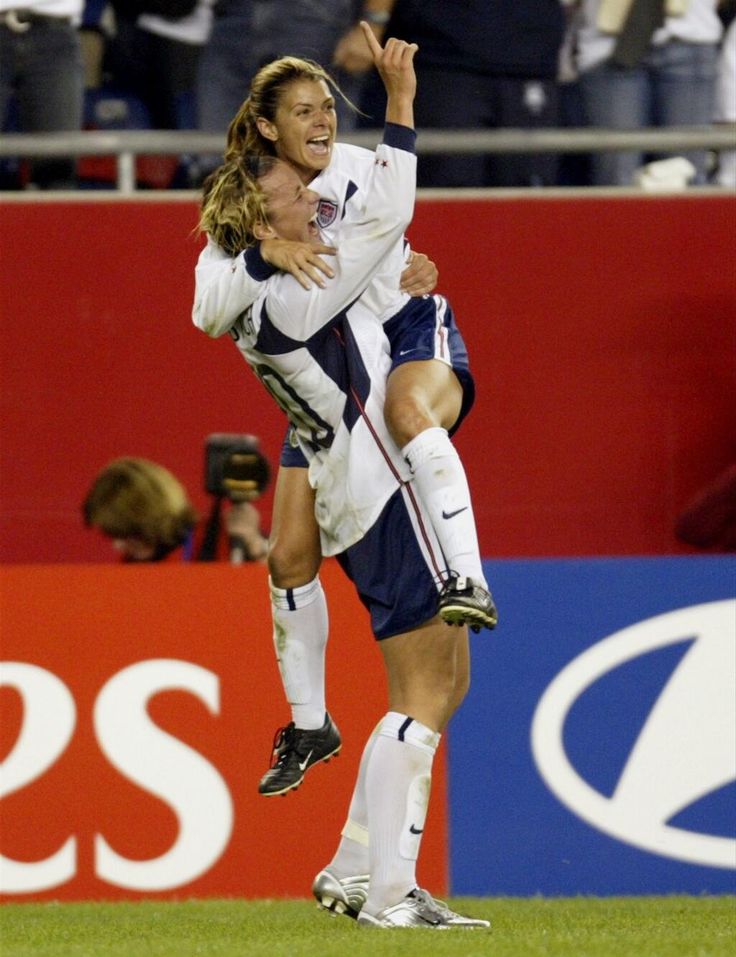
x=398, y=776
x=440, y=480
x=300, y=637
x=351, y=857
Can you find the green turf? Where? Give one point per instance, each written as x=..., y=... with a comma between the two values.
x=576, y=927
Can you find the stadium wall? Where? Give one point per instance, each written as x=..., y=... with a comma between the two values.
x=594, y=754
x=600, y=730
x=136, y=700
x=601, y=332
x=138, y=705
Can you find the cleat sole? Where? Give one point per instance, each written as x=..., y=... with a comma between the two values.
x=326, y=758
x=455, y=616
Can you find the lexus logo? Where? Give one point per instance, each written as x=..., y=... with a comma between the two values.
x=685, y=750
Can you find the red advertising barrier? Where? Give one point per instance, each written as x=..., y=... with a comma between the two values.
x=600, y=331
x=138, y=708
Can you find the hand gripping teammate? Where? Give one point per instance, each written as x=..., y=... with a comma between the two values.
x=325, y=359
x=290, y=113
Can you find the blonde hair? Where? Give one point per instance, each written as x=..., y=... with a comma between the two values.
x=232, y=202
x=136, y=498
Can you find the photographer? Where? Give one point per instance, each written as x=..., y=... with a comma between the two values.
x=146, y=511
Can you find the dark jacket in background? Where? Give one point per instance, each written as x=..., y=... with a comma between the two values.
x=502, y=37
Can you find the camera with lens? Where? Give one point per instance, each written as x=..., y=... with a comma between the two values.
x=235, y=468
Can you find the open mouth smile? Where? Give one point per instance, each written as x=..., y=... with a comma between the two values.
x=313, y=227
x=319, y=145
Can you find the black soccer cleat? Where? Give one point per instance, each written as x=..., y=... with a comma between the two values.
x=465, y=601
x=294, y=752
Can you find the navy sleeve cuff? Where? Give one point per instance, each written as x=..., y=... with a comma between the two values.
x=400, y=137
x=256, y=266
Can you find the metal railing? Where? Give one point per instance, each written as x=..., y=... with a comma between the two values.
x=126, y=145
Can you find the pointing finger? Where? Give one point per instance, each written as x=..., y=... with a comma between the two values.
x=373, y=45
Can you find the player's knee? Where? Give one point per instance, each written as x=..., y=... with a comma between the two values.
x=406, y=416
x=451, y=689
x=441, y=691
x=459, y=691
x=292, y=564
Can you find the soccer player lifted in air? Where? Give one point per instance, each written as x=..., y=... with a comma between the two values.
x=290, y=113
x=325, y=358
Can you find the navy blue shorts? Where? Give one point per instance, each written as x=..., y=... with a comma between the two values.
x=397, y=567
x=292, y=456
x=424, y=329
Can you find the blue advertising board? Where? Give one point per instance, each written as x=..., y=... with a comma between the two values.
x=596, y=750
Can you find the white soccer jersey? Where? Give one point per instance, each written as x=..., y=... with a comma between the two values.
x=225, y=286
x=324, y=357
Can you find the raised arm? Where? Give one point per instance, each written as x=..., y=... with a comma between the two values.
x=395, y=65
x=369, y=232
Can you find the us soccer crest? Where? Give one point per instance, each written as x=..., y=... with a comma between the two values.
x=326, y=213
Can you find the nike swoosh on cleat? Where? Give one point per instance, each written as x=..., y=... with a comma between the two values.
x=303, y=764
x=416, y=830
x=453, y=514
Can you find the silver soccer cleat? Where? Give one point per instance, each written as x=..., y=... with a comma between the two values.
x=345, y=896
x=419, y=909
x=459, y=920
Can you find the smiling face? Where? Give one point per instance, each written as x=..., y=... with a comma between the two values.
x=291, y=206
x=303, y=130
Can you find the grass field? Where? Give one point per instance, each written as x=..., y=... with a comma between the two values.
x=575, y=927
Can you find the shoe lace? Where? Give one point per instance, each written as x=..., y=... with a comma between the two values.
x=426, y=901
x=283, y=743
x=448, y=582
x=440, y=907
x=436, y=904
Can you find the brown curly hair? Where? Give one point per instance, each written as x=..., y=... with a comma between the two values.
x=136, y=498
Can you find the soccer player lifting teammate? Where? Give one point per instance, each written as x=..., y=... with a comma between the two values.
x=290, y=114
x=325, y=359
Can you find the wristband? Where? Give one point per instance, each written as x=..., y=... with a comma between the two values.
x=379, y=17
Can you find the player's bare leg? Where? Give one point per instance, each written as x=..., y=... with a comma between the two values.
x=294, y=554
x=428, y=676
x=428, y=673
x=423, y=401
x=300, y=627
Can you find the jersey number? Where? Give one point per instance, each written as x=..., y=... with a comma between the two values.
x=304, y=419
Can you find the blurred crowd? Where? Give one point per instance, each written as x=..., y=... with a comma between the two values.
x=484, y=64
